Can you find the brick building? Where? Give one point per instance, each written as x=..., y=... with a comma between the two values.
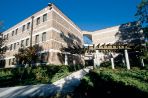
x=51, y=30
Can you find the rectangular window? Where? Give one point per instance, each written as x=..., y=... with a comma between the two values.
x=12, y=33
x=13, y=61
x=38, y=21
x=7, y=36
x=16, y=31
x=11, y=46
x=22, y=43
x=23, y=29
x=28, y=25
x=14, y=46
x=44, y=17
x=9, y=61
x=37, y=39
x=44, y=57
x=44, y=36
x=27, y=41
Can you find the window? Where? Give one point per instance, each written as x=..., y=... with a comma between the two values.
x=44, y=57
x=13, y=61
x=22, y=43
x=28, y=25
x=9, y=61
x=44, y=17
x=44, y=36
x=38, y=21
x=23, y=29
x=37, y=39
x=14, y=46
x=27, y=41
x=7, y=36
x=11, y=46
x=12, y=33
x=16, y=31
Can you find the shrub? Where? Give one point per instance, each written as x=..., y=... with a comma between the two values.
x=114, y=83
x=105, y=64
x=33, y=75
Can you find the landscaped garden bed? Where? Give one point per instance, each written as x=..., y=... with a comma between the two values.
x=105, y=82
x=34, y=75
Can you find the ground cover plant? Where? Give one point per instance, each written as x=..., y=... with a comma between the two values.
x=34, y=75
x=105, y=82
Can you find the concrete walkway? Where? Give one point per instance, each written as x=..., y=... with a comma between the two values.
x=63, y=85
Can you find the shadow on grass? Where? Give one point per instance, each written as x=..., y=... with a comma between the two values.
x=95, y=86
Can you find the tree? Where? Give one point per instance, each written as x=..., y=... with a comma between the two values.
x=142, y=12
x=28, y=55
x=2, y=41
x=142, y=15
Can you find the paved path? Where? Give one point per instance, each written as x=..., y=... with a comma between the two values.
x=63, y=85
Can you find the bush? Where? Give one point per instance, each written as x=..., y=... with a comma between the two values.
x=105, y=64
x=33, y=75
x=114, y=83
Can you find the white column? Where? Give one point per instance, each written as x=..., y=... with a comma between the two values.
x=112, y=62
x=66, y=59
x=96, y=59
x=142, y=62
x=127, y=59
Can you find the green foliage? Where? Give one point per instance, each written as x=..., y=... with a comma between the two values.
x=28, y=55
x=33, y=75
x=106, y=82
x=142, y=11
x=105, y=64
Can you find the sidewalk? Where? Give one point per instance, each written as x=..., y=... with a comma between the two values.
x=63, y=85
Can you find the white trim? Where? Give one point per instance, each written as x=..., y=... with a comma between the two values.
x=67, y=21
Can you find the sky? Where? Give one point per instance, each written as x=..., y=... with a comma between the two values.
x=89, y=15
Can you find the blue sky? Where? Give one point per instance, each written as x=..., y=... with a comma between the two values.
x=87, y=14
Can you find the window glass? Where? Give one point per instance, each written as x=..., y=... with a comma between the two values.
x=28, y=25
x=23, y=29
x=44, y=57
x=7, y=36
x=16, y=31
x=14, y=46
x=38, y=21
x=22, y=43
x=12, y=33
x=44, y=36
x=37, y=39
x=27, y=41
x=9, y=61
x=44, y=17
x=11, y=46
